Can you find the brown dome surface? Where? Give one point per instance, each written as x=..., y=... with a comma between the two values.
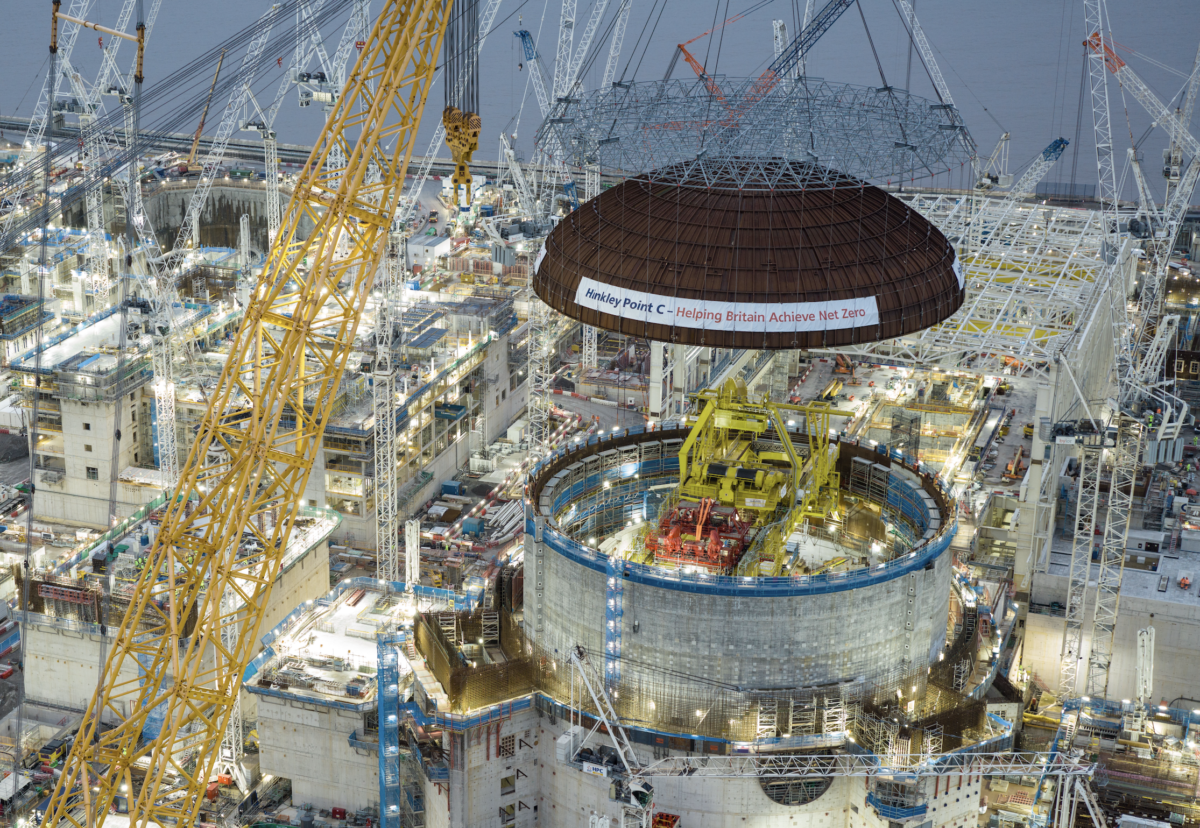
x=750, y=253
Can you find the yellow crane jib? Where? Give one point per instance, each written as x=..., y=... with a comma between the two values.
x=462, y=136
x=175, y=667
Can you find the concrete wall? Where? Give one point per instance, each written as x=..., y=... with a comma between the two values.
x=477, y=800
x=308, y=744
x=166, y=205
x=87, y=442
x=66, y=662
x=754, y=642
x=568, y=798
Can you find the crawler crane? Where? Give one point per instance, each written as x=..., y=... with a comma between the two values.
x=265, y=422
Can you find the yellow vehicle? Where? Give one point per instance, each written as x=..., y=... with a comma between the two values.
x=1028, y=430
x=52, y=751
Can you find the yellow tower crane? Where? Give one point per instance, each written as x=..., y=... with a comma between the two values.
x=247, y=468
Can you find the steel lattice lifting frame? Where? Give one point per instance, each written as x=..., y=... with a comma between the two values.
x=288, y=356
x=866, y=132
x=1025, y=305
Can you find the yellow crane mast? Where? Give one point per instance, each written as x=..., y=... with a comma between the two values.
x=247, y=468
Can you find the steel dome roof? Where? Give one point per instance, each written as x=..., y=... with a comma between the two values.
x=750, y=253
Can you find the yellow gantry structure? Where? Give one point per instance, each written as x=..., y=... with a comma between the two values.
x=722, y=460
x=268, y=414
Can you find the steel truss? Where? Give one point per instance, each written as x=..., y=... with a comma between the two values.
x=1140, y=339
x=1027, y=291
x=860, y=131
x=288, y=357
x=309, y=47
x=1083, y=538
x=1126, y=457
x=816, y=766
x=614, y=47
x=542, y=338
x=387, y=488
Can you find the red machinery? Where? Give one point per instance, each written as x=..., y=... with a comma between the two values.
x=703, y=534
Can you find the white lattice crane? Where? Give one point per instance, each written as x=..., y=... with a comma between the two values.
x=614, y=47
x=48, y=99
x=1142, y=407
x=97, y=138
x=634, y=794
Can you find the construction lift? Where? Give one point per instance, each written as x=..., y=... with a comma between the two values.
x=170, y=680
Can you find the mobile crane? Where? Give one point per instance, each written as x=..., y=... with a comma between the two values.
x=246, y=470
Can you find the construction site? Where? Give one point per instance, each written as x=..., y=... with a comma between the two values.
x=725, y=448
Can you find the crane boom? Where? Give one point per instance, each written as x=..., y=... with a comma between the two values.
x=1038, y=169
x=614, y=47
x=169, y=659
x=191, y=159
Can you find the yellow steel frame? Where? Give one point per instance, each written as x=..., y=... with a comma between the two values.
x=287, y=361
x=729, y=421
x=727, y=424
x=723, y=433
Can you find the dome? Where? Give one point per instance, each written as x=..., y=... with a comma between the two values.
x=750, y=253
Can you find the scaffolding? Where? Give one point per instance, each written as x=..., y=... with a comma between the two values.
x=869, y=479
x=906, y=432
x=391, y=797
x=768, y=724
x=614, y=611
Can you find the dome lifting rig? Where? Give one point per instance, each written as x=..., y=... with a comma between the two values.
x=288, y=358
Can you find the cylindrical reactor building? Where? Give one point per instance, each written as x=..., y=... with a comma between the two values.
x=676, y=641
